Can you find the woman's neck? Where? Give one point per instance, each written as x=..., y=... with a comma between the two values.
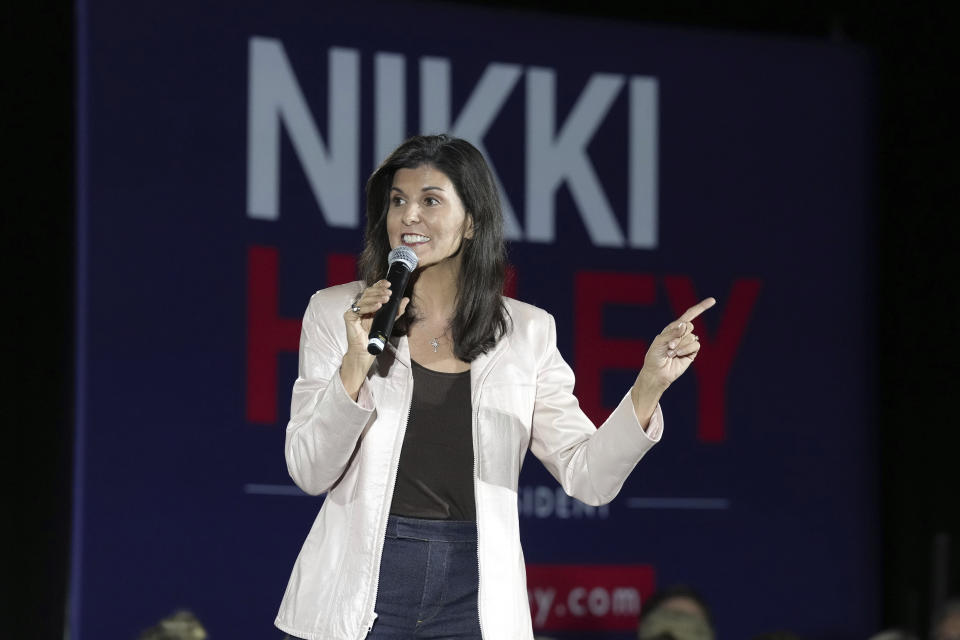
x=435, y=293
x=430, y=337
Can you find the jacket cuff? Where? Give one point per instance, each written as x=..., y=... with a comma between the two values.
x=654, y=430
x=345, y=405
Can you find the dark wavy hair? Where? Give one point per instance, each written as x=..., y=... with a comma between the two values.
x=481, y=317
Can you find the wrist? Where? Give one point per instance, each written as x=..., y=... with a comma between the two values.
x=359, y=356
x=645, y=395
x=353, y=371
x=649, y=384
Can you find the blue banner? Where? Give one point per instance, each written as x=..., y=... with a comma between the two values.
x=222, y=155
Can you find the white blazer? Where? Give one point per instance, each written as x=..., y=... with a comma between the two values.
x=522, y=398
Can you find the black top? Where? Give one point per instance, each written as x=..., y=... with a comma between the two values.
x=435, y=476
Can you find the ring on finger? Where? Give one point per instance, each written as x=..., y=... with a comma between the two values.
x=355, y=308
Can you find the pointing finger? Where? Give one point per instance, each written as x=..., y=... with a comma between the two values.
x=678, y=328
x=697, y=309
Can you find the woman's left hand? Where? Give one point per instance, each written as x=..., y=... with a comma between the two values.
x=668, y=357
x=674, y=349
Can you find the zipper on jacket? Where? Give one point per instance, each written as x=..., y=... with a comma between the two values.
x=383, y=532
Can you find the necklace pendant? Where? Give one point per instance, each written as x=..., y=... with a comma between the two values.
x=435, y=344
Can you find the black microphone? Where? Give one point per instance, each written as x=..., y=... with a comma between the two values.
x=402, y=261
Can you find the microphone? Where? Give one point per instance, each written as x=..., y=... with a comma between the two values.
x=402, y=261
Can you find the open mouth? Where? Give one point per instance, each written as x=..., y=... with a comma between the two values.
x=414, y=238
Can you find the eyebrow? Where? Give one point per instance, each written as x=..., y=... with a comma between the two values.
x=427, y=188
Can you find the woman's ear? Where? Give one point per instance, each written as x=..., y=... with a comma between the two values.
x=468, y=232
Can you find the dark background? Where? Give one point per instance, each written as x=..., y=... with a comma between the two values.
x=915, y=203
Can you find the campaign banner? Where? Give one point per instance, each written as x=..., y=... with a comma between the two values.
x=588, y=597
x=221, y=158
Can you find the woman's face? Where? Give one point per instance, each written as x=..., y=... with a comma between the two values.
x=426, y=214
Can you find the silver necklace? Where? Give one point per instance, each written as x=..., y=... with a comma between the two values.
x=435, y=342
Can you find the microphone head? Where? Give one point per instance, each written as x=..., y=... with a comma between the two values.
x=404, y=255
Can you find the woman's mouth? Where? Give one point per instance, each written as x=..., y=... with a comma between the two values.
x=413, y=238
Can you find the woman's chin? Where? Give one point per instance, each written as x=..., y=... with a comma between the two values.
x=424, y=254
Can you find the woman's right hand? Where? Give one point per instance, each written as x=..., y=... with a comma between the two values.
x=357, y=361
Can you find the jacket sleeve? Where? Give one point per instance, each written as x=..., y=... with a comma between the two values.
x=590, y=464
x=325, y=423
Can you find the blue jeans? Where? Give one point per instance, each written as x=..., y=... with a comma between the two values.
x=428, y=581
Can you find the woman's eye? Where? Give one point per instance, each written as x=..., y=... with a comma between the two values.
x=397, y=201
x=430, y=201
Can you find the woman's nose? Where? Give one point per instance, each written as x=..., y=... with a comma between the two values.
x=412, y=214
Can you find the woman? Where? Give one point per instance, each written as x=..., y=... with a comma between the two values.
x=419, y=449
